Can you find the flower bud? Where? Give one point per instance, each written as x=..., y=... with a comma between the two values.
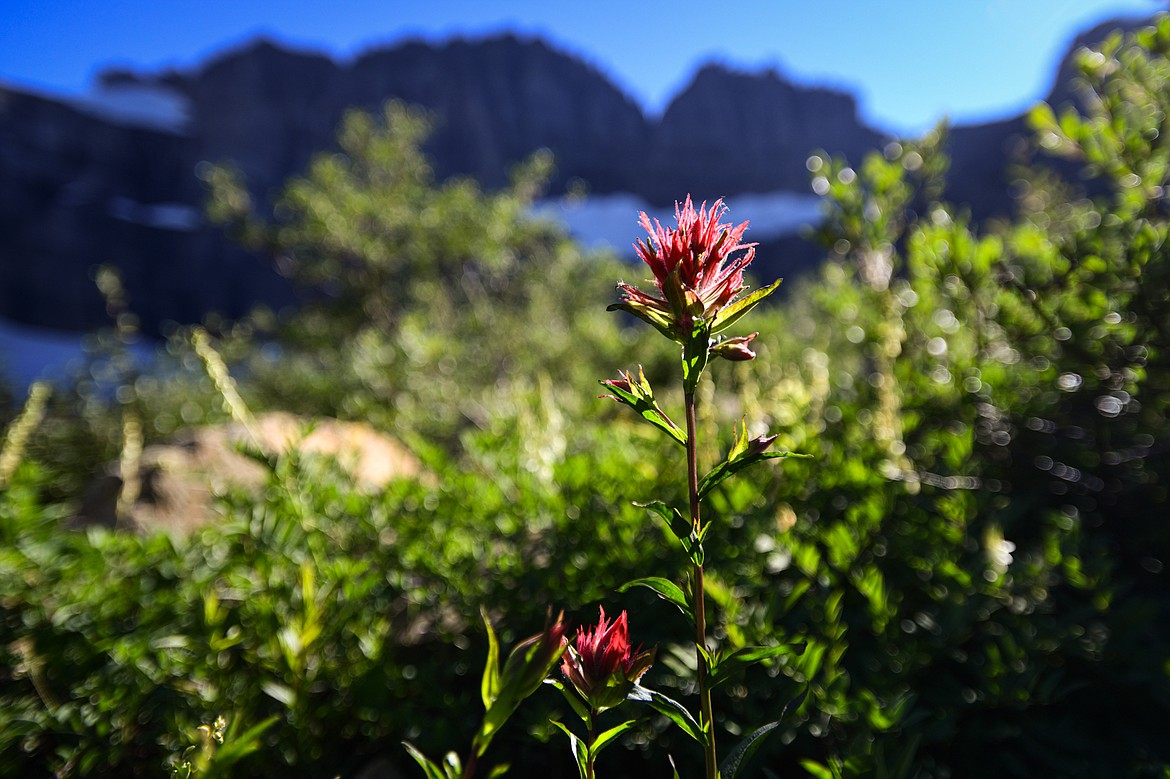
x=735, y=349
x=760, y=444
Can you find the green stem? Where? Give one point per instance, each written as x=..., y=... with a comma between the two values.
x=700, y=606
x=589, y=747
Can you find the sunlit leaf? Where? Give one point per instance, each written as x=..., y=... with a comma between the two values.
x=671, y=709
x=431, y=770
x=490, y=685
x=665, y=588
x=726, y=469
x=579, y=749
x=734, y=312
x=607, y=736
x=726, y=667
x=574, y=700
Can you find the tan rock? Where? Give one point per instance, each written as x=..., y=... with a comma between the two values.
x=179, y=481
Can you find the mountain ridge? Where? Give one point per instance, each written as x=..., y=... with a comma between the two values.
x=79, y=188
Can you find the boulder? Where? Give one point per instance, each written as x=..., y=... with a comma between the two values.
x=178, y=481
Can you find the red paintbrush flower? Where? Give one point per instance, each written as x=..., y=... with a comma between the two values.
x=602, y=665
x=696, y=274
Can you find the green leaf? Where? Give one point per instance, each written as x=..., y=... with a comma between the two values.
x=580, y=751
x=817, y=770
x=678, y=524
x=740, y=443
x=743, y=751
x=671, y=709
x=237, y=747
x=609, y=735
x=729, y=468
x=666, y=589
x=574, y=700
x=523, y=673
x=432, y=770
x=640, y=397
x=694, y=547
x=280, y=692
x=696, y=352
x=655, y=417
x=734, y=312
x=680, y=527
x=722, y=669
x=659, y=322
x=490, y=686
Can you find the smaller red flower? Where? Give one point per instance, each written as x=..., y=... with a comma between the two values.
x=602, y=665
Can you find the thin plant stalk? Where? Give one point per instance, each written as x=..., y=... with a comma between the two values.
x=700, y=606
x=589, y=774
x=13, y=446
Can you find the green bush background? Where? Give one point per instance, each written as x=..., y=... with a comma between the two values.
x=974, y=554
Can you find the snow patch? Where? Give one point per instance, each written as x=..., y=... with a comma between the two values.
x=138, y=105
x=611, y=221
x=165, y=216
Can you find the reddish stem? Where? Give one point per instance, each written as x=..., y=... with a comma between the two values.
x=700, y=606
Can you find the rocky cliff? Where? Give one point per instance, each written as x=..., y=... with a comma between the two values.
x=77, y=190
x=113, y=180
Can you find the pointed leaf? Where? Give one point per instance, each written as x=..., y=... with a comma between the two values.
x=696, y=352
x=280, y=692
x=580, y=751
x=238, y=747
x=710, y=658
x=609, y=735
x=740, y=443
x=655, y=417
x=666, y=589
x=490, y=686
x=574, y=700
x=726, y=667
x=678, y=524
x=680, y=527
x=743, y=751
x=729, y=468
x=659, y=322
x=429, y=768
x=641, y=399
x=524, y=671
x=734, y=312
x=816, y=770
x=671, y=709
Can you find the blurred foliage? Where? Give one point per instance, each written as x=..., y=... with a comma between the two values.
x=422, y=297
x=975, y=556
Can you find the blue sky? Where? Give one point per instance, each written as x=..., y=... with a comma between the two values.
x=910, y=62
